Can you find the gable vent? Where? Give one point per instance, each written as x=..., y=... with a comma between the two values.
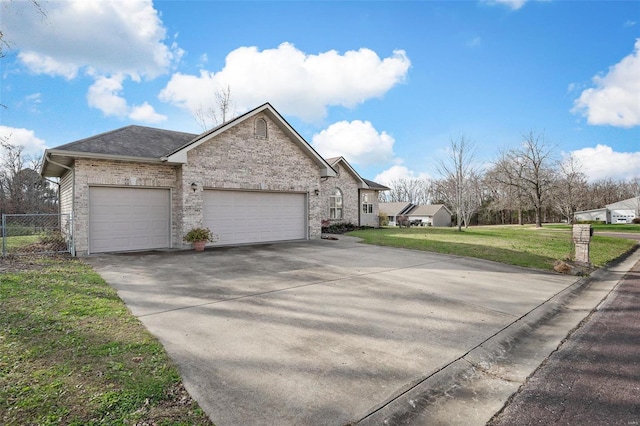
x=261, y=128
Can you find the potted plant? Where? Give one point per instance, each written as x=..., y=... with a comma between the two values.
x=200, y=237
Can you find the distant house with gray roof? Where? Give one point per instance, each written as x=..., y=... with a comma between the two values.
x=425, y=215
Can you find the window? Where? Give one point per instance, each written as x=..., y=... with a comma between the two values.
x=367, y=204
x=261, y=128
x=335, y=204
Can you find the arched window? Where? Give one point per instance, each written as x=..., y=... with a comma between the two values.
x=335, y=204
x=261, y=128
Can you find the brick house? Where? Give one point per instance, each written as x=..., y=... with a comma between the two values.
x=253, y=179
x=350, y=198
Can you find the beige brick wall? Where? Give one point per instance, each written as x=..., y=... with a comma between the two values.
x=349, y=187
x=123, y=174
x=237, y=159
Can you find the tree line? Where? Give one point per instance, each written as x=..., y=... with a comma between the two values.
x=22, y=189
x=527, y=184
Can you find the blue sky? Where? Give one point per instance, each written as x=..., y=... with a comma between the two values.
x=386, y=84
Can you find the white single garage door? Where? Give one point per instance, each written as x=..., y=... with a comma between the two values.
x=122, y=219
x=241, y=217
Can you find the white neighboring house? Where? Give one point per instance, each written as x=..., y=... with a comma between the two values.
x=625, y=211
x=621, y=212
x=427, y=215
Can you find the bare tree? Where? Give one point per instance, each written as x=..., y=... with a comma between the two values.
x=530, y=168
x=458, y=179
x=22, y=189
x=607, y=191
x=570, y=189
x=416, y=191
x=471, y=196
x=507, y=195
x=219, y=112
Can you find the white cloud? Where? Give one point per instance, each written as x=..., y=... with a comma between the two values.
x=33, y=145
x=512, y=4
x=43, y=64
x=297, y=83
x=615, y=100
x=397, y=172
x=603, y=162
x=358, y=141
x=108, y=40
x=146, y=113
x=111, y=37
x=104, y=95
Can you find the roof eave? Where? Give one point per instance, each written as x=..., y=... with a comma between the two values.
x=62, y=156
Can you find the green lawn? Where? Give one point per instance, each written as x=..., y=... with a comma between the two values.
x=71, y=353
x=14, y=243
x=604, y=227
x=514, y=245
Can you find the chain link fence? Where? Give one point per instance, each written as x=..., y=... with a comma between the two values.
x=36, y=234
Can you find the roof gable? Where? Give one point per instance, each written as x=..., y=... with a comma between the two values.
x=179, y=155
x=335, y=161
x=362, y=182
x=628, y=204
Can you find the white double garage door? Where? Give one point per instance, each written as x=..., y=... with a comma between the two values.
x=124, y=219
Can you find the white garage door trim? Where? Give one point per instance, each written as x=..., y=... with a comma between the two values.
x=246, y=217
x=126, y=219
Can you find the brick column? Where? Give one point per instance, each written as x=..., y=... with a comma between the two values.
x=581, y=240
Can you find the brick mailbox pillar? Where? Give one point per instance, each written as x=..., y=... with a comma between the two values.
x=581, y=239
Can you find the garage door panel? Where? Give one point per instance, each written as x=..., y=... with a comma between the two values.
x=122, y=219
x=241, y=217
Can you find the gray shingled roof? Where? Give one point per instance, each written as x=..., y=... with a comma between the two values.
x=375, y=185
x=131, y=141
x=426, y=210
x=394, y=208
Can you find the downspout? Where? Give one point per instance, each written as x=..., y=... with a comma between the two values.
x=73, y=200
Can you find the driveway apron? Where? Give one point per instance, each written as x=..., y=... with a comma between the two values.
x=317, y=332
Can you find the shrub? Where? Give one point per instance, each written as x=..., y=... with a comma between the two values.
x=339, y=228
x=636, y=220
x=200, y=234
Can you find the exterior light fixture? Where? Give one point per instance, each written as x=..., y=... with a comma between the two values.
x=317, y=192
x=194, y=186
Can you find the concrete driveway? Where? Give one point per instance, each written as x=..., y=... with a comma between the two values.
x=317, y=332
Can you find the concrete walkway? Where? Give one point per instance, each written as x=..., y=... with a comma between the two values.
x=330, y=332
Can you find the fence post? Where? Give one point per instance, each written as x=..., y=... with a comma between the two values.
x=4, y=239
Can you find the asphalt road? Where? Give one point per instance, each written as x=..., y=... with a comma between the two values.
x=594, y=376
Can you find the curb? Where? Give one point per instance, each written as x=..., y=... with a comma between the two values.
x=474, y=387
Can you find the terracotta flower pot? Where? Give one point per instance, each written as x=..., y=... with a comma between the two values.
x=199, y=245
